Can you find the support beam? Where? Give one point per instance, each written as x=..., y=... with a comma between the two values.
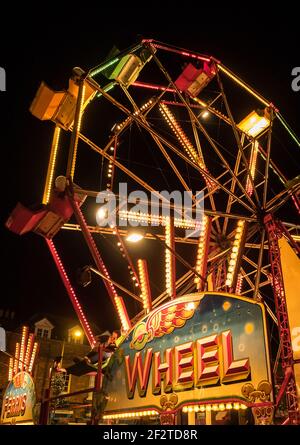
x=170, y=258
x=51, y=165
x=74, y=300
x=274, y=233
x=75, y=131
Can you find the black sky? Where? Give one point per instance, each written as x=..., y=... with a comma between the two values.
x=44, y=44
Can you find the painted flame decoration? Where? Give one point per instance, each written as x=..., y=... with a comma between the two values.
x=163, y=321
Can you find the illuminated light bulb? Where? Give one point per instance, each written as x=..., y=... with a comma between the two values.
x=236, y=406
x=190, y=306
x=185, y=409
x=208, y=408
x=242, y=406
x=10, y=369
x=202, y=408
x=228, y=406
x=215, y=408
x=134, y=237
x=221, y=407
x=205, y=114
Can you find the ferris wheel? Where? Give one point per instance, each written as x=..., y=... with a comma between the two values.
x=209, y=134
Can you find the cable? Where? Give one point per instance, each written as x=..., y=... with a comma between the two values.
x=288, y=128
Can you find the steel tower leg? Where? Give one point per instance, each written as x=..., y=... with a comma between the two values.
x=289, y=384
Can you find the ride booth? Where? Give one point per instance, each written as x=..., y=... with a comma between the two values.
x=198, y=359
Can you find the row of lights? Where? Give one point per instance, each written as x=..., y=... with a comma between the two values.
x=122, y=312
x=202, y=251
x=78, y=130
x=130, y=415
x=235, y=251
x=123, y=253
x=23, y=360
x=252, y=168
x=73, y=296
x=10, y=369
x=52, y=163
x=214, y=407
x=170, y=261
x=158, y=219
x=145, y=287
x=144, y=107
x=33, y=356
x=184, y=140
x=29, y=349
x=16, y=361
x=179, y=133
x=25, y=330
x=110, y=168
x=239, y=284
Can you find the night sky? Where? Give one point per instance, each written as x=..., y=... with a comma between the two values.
x=45, y=44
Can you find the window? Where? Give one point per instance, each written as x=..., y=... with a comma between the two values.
x=61, y=383
x=43, y=328
x=42, y=333
x=67, y=383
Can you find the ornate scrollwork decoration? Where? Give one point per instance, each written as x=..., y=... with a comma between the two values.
x=263, y=415
x=262, y=393
x=168, y=403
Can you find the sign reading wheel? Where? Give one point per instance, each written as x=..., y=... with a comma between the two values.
x=19, y=400
x=201, y=348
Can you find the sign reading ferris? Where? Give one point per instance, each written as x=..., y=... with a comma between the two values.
x=200, y=346
x=19, y=400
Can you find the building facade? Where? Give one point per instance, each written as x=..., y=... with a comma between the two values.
x=56, y=338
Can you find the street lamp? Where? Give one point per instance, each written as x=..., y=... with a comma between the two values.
x=135, y=235
x=77, y=333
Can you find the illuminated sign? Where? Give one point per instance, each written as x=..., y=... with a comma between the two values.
x=19, y=400
x=202, y=347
